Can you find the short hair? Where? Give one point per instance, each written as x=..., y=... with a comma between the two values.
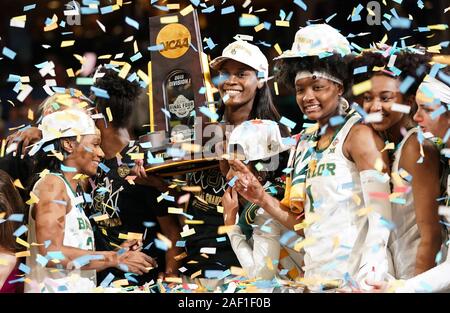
x=123, y=95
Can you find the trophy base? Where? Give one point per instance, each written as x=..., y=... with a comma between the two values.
x=180, y=167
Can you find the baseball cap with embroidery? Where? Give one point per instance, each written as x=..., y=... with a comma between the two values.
x=258, y=139
x=245, y=53
x=317, y=40
x=62, y=124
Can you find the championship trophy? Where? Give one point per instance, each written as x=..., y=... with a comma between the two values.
x=179, y=87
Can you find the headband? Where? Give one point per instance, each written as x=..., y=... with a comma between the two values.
x=438, y=89
x=316, y=74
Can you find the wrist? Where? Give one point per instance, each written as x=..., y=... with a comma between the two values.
x=111, y=258
x=262, y=200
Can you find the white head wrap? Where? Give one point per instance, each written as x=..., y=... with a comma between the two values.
x=438, y=89
x=317, y=74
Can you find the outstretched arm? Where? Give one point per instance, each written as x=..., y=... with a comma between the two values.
x=50, y=213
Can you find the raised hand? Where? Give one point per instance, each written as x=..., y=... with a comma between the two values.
x=247, y=185
x=230, y=204
x=22, y=139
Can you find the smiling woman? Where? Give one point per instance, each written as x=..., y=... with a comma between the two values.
x=57, y=219
x=337, y=151
x=417, y=236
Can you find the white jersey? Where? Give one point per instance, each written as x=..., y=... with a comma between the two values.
x=335, y=233
x=404, y=240
x=78, y=234
x=260, y=255
x=436, y=279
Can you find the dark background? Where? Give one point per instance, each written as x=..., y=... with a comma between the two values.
x=220, y=28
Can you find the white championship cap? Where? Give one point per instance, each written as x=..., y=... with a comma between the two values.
x=62, y=124
x=245, y=53
x=316, y=39
x=259, y=139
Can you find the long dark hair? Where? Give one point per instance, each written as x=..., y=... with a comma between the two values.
x=10, y=203
x=263, y=108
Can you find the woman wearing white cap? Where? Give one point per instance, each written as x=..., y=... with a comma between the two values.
x=333, y=177
x=243, y=71
x=415, y=170
x=63, y=256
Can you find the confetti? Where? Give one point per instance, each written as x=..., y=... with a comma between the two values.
x=132, y=22
x=362, y=87
x=169, y=19
x=18, y=21
x=396, y=107
x=302, y=5
x=287, y=122
x=227, y=10
x=8, y=53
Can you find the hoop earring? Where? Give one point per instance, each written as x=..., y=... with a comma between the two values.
x=343, y=105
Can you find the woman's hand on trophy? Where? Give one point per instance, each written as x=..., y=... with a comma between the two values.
x=142, y=178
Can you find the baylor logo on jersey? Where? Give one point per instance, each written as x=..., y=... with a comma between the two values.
x=82, y=224
x=326, y=169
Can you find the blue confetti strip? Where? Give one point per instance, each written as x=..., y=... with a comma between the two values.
x=16, y=217
x=227, y=10
x=108, y=279
x=287, y=122
x=161, y=245
x=232, y=181
x=102, y=93
x=136, y=57
x=156, y=47
x=400, y=22
x=55, y=255
x=209, y=9
x=8, y=53
x=148, y=224
x=248, y=21
x=24, y=268
x=68, y=169
x=302, y=5
x=386, y=25
x=41, y=260
x=206, y=111
x=406, y=83
x=20, y=231
x=359, y=70
x=88, y=10
x=104, y=167
x=132, y=22
x=29, y=7
x=336, y=120
x=181, y=244
x=435, y=114
x=169, y=198
x=435, y=69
